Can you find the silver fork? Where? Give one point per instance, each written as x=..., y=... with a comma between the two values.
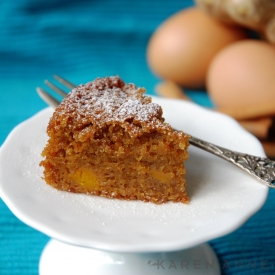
x=263, y=169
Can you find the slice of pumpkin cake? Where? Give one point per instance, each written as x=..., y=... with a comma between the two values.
x=106, y=138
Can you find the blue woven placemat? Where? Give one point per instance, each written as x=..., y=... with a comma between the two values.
x=81, y=40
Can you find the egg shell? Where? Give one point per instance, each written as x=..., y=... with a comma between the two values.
x=243, y=74
x=182, y=48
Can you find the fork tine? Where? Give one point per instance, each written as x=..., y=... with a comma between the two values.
x=47, y=97
x=55, y=88
x=64, y=82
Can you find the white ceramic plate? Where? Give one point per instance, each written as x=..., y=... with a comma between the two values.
x=222, y=196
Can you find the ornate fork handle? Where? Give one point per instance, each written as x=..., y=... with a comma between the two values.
x=261, y=168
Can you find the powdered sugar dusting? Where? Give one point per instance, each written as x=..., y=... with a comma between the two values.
x=134, y=109
x=107, y=101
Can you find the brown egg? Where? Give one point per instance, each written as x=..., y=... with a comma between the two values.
x=182, y=47
x=243, y=74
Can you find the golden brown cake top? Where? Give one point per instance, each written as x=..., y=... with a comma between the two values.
x=108, y=101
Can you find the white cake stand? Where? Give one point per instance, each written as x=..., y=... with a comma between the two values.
x=94, y=235
x=60, y=258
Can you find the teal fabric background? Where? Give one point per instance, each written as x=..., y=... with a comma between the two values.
x=81, y=40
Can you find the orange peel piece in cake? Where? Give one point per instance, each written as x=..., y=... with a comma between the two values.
x=161, y=176
x=86, y=178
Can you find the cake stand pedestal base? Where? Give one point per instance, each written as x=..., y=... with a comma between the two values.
x=60, y=258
